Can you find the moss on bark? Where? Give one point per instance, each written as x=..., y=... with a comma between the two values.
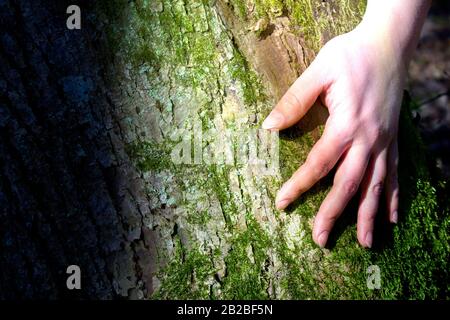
x=183, y=67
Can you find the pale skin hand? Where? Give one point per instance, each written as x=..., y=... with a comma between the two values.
x=359, y=76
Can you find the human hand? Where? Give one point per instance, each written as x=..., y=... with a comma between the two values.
x=360, y=81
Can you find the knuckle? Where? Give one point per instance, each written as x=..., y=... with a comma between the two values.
x=342, y=135
x=377, y=134
x=291, y=100
x=319, y=169
x=345, y=131
x=330, y=219
x=350, y=187
x=367, y=216
x=378, y=188
x=294, y=187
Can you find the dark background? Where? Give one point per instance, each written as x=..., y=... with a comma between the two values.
x=429, y=84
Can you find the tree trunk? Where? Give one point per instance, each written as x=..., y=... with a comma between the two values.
x=132, y=149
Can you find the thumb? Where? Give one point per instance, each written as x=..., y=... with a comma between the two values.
x=297, y=100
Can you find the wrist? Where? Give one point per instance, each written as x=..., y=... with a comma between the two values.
x=383, y=46
x=394, y=27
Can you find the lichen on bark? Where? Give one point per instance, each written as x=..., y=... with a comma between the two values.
x=185, y=68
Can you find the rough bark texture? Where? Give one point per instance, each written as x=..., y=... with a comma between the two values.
x=109, y=158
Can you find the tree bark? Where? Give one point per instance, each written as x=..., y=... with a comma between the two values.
x=132, y=149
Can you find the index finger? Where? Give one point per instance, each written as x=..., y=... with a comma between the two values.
x=321, y=159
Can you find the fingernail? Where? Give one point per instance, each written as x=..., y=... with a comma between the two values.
x=273, y=121
x=369, y=239
x=322, y=239
x=282, y=204
x=395, y=216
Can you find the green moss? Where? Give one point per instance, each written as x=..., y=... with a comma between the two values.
x=219, y=182
x=240, y=8
x=247, y=276
x=270, y=8
x=251, y=85
x=189, y=271
x=186, y=276
x=312, y=19
x=416, y=257
x=200, y=218
x=150, y=156
x=303, y=17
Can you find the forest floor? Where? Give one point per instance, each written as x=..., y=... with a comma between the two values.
x=429, y=84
